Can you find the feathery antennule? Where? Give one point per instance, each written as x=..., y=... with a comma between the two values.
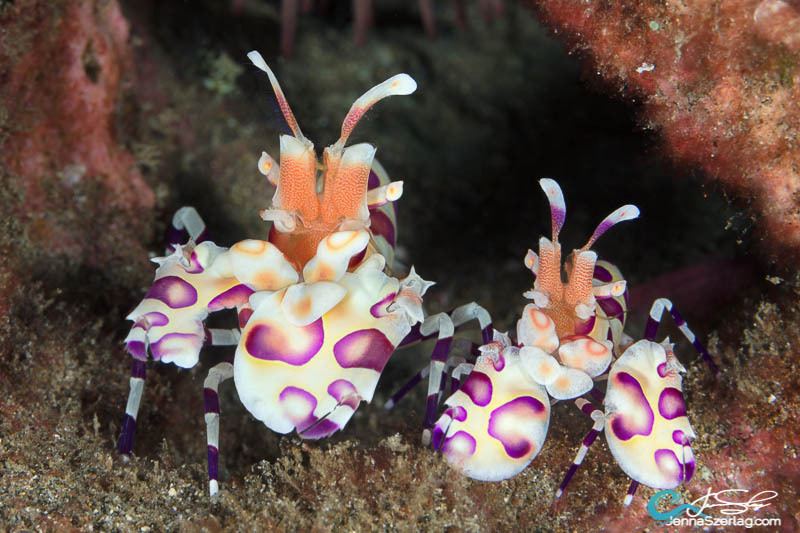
x=399, y=84
x=558, y=208
x=626, y=212
x=259, y=62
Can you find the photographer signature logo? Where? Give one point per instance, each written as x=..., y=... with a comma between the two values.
x=730, y=503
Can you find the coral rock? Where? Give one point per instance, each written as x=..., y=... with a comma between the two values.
x=61, y=71
x=721, y=82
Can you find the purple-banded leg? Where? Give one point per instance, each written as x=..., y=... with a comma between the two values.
x=654, y=320
x=185, y=222
x=214, y=337
x=599, y=422
x=222, y=337
x=138, y=372
x=216, y=375
x=445, y=324
x=460, y=367
x=459, y=316
x=415, y=380
x=442, y=323
x=631, y=491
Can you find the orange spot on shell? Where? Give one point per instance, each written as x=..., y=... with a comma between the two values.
x=595, y=348
x=326, y=272
x=333, y=243
x=540, y=320
x=302, y=307
x=251, y=246
x=265, y=281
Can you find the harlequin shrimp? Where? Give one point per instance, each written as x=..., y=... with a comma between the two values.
x=497, y=420
x=318, y=314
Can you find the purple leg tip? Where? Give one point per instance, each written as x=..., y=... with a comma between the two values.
x=126, y=437
x=213, y=462
x=430, y=412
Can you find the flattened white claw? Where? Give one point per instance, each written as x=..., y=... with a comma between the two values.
x=587, y=354
x=542, y=367
x=569, y=384
x=535, y=328
x=305, y=303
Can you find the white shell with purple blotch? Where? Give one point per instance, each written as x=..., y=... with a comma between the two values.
x=647, y=429
x=306, y=366
x=497, y=421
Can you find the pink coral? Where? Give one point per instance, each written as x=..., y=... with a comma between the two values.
x=719, y=79
x=63, y=66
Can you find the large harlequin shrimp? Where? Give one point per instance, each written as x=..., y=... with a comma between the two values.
x=318, y=315
x=497, y=421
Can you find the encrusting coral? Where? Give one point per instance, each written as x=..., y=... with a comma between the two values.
x=63, y=66
x=719, y=80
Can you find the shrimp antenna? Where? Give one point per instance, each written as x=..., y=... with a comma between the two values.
x=626, y=212
x=558, y=208
x=258, y=61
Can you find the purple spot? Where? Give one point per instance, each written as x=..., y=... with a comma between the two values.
x=345, y=393
x=479, y=388
x=194, y=265
x=136, y=349
x=670, y=403
x=611, y=307
x=293, y=345
x=506, y=422
x=669, y=466
x=602, y=274
x=457, y=413
x=461, y=445
x=173, y=291
x=230, y=298
x=679, y=437
x=438, y=435
x=636, y=416
x=500, y=364
x=366, y=348
x=688, y=469
x=176, y=344
x=298, y=406
x=382, y=225
x=662, y=369
x=322, y=428
x=379, y=309
x=151, y=320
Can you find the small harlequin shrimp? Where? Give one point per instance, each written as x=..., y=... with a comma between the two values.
x=497, y=420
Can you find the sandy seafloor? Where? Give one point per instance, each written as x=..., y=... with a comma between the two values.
x=497, y=108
